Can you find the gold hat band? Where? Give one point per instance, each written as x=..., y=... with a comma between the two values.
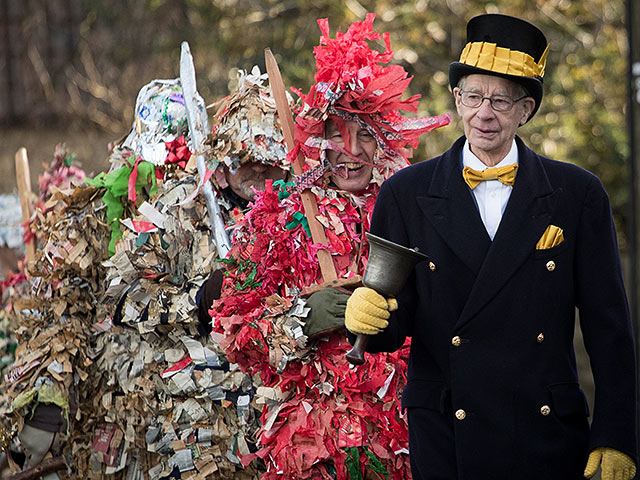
x=489, y=56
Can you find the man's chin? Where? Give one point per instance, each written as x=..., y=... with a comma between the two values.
x=351, y=185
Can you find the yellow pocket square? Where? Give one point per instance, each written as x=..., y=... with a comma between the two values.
x=551, y=237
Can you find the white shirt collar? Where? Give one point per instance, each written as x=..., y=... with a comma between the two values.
x=470, y=160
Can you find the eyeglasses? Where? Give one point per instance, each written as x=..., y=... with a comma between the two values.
x=500, y=103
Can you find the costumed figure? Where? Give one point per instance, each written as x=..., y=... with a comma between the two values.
x=46, y=383
x=321, y=418
x=159, y=256
x=91, y=392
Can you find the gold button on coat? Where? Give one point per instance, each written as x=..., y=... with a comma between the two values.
x=456, y=341
x=540, y=338
x=432, y=266
x=545, y=410
x=461, y=414
x=551, y=265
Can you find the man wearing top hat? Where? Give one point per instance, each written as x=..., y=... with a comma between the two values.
x=516, y=243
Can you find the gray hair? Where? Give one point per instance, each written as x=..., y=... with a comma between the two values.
x=520, y=90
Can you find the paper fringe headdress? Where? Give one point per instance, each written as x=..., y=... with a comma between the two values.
x=352, y=83
x=246, y=127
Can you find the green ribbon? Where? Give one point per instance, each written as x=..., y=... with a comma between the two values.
x=250, y=281
x=68, y=159
x=375, y=463
x=299, y=219
x=116, y=184
x=227, y=261
x=243, y=266
x=283, y=188
x=353, y=463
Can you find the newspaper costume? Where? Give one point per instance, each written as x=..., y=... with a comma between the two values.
x=53, y=308
x=321, y=418
x=198, y=415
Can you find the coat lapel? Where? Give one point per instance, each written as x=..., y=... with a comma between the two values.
x=525, y=219
x=450, y=207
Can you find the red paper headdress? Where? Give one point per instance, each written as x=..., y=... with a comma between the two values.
x=352, y=83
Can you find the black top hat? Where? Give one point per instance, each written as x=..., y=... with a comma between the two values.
x=506, y=47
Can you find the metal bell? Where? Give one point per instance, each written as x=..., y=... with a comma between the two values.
x=388, y=268
x=389, y=265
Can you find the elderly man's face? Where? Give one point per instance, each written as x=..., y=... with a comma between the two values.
x=351, y=175
x=491, y=133
x=251, y=176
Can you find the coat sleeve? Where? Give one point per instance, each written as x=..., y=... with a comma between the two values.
x=606, y=325
x=388, y=222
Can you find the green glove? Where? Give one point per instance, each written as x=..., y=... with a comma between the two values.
x=327, y=312
x=615, y=464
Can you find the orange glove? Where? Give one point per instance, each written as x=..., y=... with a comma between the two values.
x=615, y=464
x=367, y=311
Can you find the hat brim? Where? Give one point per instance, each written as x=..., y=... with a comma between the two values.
x=458, y=70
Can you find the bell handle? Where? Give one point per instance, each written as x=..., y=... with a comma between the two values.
x=355, y=356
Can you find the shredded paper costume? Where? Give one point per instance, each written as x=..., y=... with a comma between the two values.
x=321, y=418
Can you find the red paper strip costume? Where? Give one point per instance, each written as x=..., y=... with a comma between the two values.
x=322, y=418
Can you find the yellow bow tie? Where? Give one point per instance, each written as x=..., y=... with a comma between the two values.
x=506, y=175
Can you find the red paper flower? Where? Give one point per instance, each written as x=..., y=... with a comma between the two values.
x=179, y=153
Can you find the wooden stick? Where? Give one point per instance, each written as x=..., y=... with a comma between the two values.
x=46, y=466
x=327, y=268
x=23, y=179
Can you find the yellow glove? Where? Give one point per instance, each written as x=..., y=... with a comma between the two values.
x=367, y=311
x=615, y=464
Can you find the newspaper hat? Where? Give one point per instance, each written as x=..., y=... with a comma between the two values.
x=246, y=127
x=159, y=117
x=506, y=47
x=354, y=84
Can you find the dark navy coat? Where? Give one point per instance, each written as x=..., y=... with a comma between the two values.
x=492, y=361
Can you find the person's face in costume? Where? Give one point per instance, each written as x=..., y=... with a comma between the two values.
x=251, y=176
x=349, y=174
x=491, y=133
